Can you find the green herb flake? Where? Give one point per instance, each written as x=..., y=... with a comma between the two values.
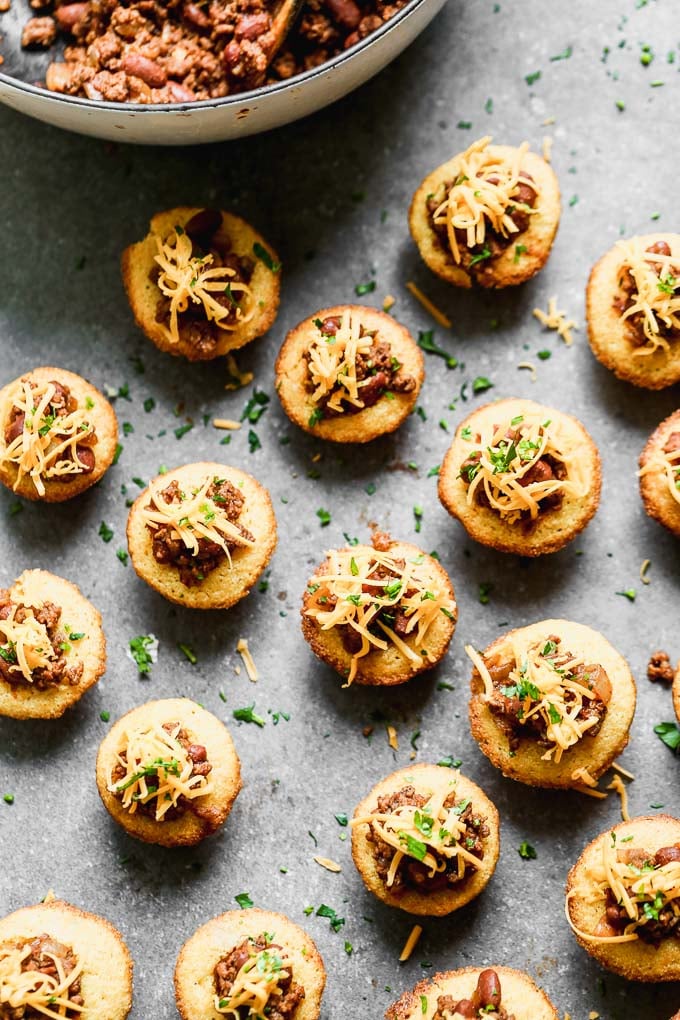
x=481, y=384
x=8, y=798
x=324, y=517
x=264, y=256
x=530, y=79
x=188, y=652
x=629, y=594
x=244, y=901
x=248, y=715
x=669, y=733
x=427, y=344
x=364, y=288
x=418, y=515
x=143, y=650
x=105, y=532
x=526, y=851
x=122, y=556
x=485, y=589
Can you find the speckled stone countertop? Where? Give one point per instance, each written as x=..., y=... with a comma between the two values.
x=331, y=194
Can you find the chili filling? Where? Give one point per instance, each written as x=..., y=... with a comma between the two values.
x=33, y=646
x=525, y=710
x=644, y=902
x=47, y=434
x=435, y=858
x=485, y=1002
x=39, y=978
x=256, y=980
x=223, y=501
x=203, y=283
x=639, y=324
x=349, y=368
x=144, y=788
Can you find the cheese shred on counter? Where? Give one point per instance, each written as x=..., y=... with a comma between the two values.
x=546, y=685
x=483, y=194
x=255, y=984
x=497, y=464
x=185, y=277
x=193, y=517
x=656, y=297
x=46, y=447
x=642, y=891
x=430, y=834
x=34, y=990
x=360, y=585
x=158, y=767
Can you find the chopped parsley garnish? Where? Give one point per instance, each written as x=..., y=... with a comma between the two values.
x=244, y=901
x=371, y=489
x=248, y=715
x=449, y=762
x=629, y=594
x=263, y=255
x=669, y=732
x=564, y=55
x=526, y=851
x=342, y=819
x=364, y=288
x=335, y=921
x=144, y=651
x=105, y=532
x=427, y=344
x=520, y=249
x=8, y=798
x=149, y=404
x=104, y=716
x=481, y=384
x=188, y=652
x=544, y=355
x=418, y=515
x=256, y=406
x=350, y=541
x=253, y=441
x=315, y=417
x=122, y=556
x=414, y=847
x=533, y=77
x=484, y=254
x=485, y=588
x=182, y=430
x=324, y=517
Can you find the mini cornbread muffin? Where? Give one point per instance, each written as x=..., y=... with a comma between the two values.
x=676, y=691
x=426, y=840
x=168, y=772
x=660, y=474
x=202, y=282
x=633, y=310
x=248, y=964
x=58, y=961
x=58, y=435
x=349, y=374
x=52, y=646
x=623, y=899
x=552, y=703
x=488, y=216
x=498, y=993
x=202, y=534
x=521, y=478
x=379, y=614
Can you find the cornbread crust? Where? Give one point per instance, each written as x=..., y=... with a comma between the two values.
x=658, y=501
x=553, y=529
x=383, y=417
x=137, y=265
x=427, y=779
x=507, y=270
x=521, y=997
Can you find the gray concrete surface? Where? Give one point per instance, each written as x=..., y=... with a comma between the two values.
x=318, y=190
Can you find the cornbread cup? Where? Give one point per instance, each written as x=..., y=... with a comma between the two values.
x=427, y=779
x=656, y=497
x=676, y=692
x=553, y=529
x=137, y=266
x=100, y=414
x=203, y=815
x=106, y=979
x=521, y=997
x=635, y=961
x=507, y=270
x=383, y=417
x=383, y=668
x=607, y=330
x=595, y=754
x=22, y=700
x=194, y=982
x=227, y=584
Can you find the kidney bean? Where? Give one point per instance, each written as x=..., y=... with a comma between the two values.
x=15, y=428
x=346, y=12
x=659, y=248
x=252, y=26
x=197, y=752
x=142, y=67
x=196, y=16
x=180, y=93
x=667, y=854
x=203, y=225
x=231, y=54
x=68, y=15
x=86, y=458
x=331, y=325
x=466, y=1008
x=488, y=991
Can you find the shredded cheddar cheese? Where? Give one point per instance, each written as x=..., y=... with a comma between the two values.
x=428, y=305
x=668, y=464
x=158, y=767
x=547, y=148
x=195, y=515
x=496, y=463
x=618, y=787
x=226, y=423
x=328, y=864
x=332, y=360
x=556, y=320
x=641, y=890
x=353, y=593
x=46, y=447
x=186, y=277
x=483, y=193
x=393, y=737
x=431, y=834
x=47, y=994
x=237, y=379
x=25, y=644
x=248, y=661
x=256, y=983
x=410, y=944
x=656, y=298
x=530, y=367
x=547, y=685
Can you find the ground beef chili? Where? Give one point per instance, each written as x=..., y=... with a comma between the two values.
x=179, y=51
x=413, y=874
x=40, y=961
x=61, y=404
x=659, y=666
x=509, y=710
x=627, y=296
x=379, y=366
x=663, y=921
x=480, y=255
x=485, y=1001
x=58, y=671
x=392, y=616
x=194, y=326
x=282, y=1004
x=168, y=548
x=197, y=755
